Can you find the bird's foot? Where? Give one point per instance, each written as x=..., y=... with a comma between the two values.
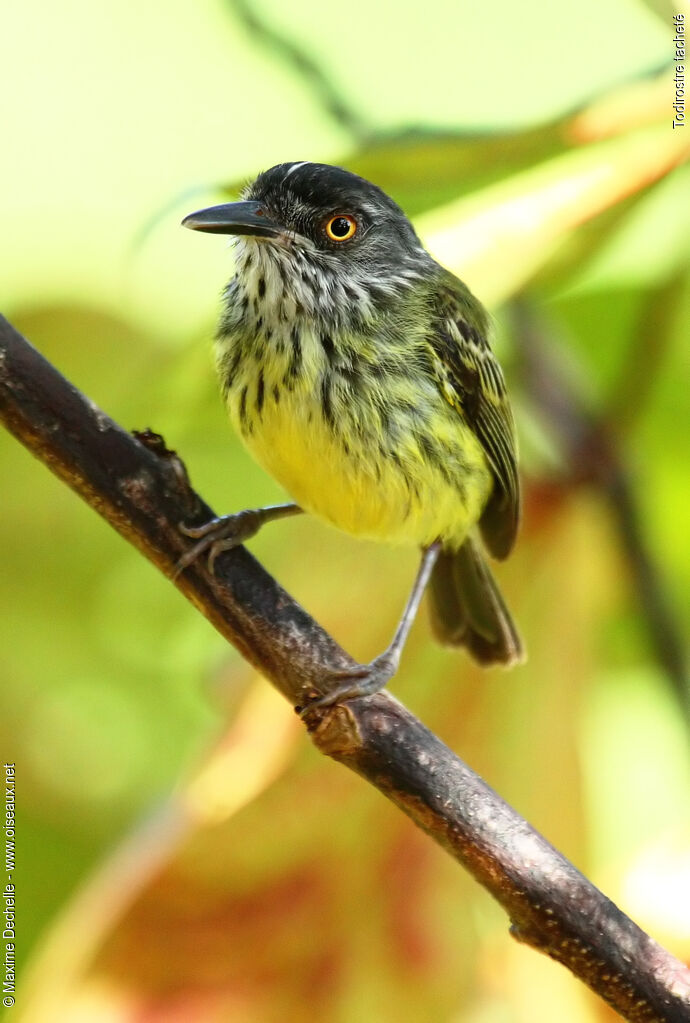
x=359, y=680
x=219, y=535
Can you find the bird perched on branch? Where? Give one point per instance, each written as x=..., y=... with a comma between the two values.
x=358, y=373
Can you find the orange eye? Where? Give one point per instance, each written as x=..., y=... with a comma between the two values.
x=341, y=228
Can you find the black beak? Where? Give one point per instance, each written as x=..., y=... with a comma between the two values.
x=234, y=218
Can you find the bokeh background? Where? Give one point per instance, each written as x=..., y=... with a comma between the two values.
x=184, y=852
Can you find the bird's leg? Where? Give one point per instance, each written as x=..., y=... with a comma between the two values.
x=228, y=531
x=365, y=679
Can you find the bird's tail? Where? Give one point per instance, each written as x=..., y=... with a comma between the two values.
x=467, y=608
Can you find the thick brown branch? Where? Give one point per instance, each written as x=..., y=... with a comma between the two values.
x=552, y=906
x=142, y=490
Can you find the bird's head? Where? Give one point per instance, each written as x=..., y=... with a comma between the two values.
x=323, y=233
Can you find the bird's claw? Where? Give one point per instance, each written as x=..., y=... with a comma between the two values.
x=359, y=680
x=216, y=536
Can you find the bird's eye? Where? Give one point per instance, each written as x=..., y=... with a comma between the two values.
x=341, y=228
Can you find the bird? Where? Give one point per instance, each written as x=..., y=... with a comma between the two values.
x=358, y=372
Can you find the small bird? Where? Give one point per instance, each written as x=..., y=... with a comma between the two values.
x=358, y=373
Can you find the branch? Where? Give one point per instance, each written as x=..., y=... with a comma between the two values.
x=141, y=488
x=306, y=66
x=592, y=454
x=322, y=88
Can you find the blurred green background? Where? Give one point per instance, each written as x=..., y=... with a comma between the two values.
x=183, y=850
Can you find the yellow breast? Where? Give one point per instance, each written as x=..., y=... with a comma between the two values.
x=358, y=458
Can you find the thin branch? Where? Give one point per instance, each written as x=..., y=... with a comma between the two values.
x=296, y=55
x=593, y=457
x=322, y=88
x=645, y=355
x=142, y=490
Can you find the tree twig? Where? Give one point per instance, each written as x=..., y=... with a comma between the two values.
x=592, y=454
x=142, y=490
x=297, y=55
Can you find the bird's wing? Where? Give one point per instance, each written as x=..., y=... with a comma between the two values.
x=472, y=382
